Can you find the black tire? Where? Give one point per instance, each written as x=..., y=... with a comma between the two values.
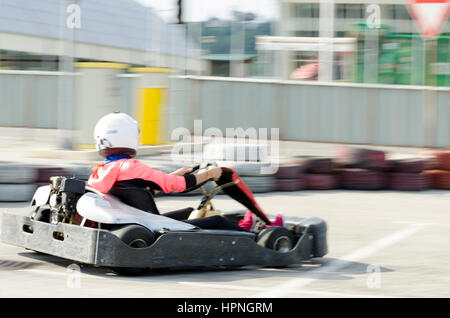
x=352, y=157
x=260, y=184
x=17, y=173
x=410, y=181
x=16, y=192
x=247, y=168
x=45, y=173
x=290, y=184
x=320, y=165
x=320, y=181
x=135, y=236
x=290, y=171
x=276, y=238
x=363, y=179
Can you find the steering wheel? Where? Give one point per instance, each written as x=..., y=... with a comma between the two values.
x=195, y=168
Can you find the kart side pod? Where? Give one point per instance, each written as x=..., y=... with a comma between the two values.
x=172, y=249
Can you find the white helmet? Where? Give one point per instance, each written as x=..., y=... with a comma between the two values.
x=116, y=133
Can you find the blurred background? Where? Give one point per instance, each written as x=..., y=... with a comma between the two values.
x=358, y=91
x=362, y=72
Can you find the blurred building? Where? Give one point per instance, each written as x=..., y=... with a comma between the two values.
x=66, y=63
x=392, y=52
x=223, y=64
x=34, y=35
x=229, y=45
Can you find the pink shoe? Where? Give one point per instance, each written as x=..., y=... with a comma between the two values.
x=248, y=221
x=279, y=221
x=251, y=222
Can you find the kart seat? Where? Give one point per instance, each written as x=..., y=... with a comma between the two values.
x=139, y=198
x=142, y=199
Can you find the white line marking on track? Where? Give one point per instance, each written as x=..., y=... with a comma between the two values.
x=221, y=286
x=333, y=266
x=43, y=272
x=261, y=289
x=417, y=223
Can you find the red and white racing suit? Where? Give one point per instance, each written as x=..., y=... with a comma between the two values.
x=104, y=176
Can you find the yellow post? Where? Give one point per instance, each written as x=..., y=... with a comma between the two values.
x=151, y=104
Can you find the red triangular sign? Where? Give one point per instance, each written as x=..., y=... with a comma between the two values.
x=430, y=15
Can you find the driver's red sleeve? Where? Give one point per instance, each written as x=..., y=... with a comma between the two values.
x=134, y=169
x=106, y=175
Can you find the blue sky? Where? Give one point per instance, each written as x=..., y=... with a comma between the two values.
x=200, y=10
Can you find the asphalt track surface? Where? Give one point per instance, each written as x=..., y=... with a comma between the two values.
x=381, y=244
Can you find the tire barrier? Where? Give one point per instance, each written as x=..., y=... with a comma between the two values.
x=443, y=159
x=260, y=184
x=432, y=164
x=349, y=157
x=387, y=166
x=290, y=171
x=440, y=179
x=15, y=192
x=290, y=184
x=247, y=169
x=350, y=168
x=17, y=173
x=438, y=168
x=410, y=181
x=79, y=171
x=17, y=182
x=320, y=165
x=45, y=173
x=362, y=179
x=409, y=165
x=321, y=181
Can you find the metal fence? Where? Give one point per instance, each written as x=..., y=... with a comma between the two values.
x=39, y=99
x=306, y=111
x=313, y=111
x=29, y=98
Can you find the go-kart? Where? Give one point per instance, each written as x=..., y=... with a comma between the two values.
x=123, y=231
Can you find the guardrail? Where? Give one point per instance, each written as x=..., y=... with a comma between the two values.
x=316, y=111
x=31, y=98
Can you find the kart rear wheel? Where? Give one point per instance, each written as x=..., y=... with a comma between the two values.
x=135, y=236
x=276, y=238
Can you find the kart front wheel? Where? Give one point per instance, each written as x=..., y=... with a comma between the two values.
x=276, y=238
x=135, y=236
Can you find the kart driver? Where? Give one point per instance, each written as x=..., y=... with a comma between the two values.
x=117, y=138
